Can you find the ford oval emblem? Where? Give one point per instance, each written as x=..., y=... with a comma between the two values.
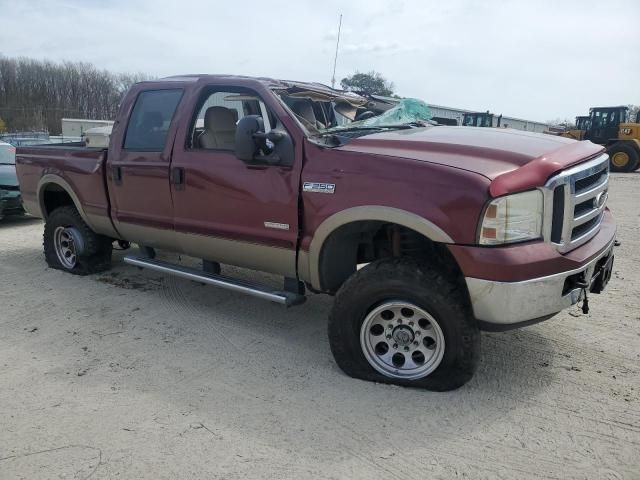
x=601, y=199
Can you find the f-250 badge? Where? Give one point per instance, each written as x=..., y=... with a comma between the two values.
x=316, y=187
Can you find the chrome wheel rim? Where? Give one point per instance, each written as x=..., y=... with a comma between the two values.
x=402, y=340
x=65, y=245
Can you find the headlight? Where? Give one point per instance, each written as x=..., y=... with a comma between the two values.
x=512, y=218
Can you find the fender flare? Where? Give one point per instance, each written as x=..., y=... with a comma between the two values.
x=363, y=213
x=62, y=183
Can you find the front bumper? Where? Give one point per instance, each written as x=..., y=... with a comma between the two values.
x=503, y=305
x=10, y=203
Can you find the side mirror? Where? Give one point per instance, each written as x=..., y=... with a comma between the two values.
x=246, y=145
x=254, y=146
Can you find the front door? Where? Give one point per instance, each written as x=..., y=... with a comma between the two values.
x=224, y=209
x=138, y=167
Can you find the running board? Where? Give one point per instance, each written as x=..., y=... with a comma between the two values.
x=285, y=298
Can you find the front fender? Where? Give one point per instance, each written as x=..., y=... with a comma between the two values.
x=309, y=262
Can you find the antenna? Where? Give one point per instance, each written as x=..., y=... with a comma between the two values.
x=335, y=59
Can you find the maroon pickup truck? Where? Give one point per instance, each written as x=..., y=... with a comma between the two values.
x=425, y=234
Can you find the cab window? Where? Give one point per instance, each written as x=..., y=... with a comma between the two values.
x=218, y=113
x=150, y=120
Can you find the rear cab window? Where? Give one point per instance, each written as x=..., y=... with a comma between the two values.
x=150, y=120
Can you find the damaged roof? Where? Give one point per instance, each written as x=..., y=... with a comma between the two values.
x=315, y=90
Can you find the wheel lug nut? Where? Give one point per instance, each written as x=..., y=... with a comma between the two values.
x=388, y=336
x=395, y=345
x=399, y=320
x=418, y=333
x=406, y=349
x=415, y=343
x=411, y=324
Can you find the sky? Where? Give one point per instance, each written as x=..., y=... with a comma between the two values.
x=534, y=59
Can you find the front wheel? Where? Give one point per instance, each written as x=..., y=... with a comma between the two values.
x=400, y=321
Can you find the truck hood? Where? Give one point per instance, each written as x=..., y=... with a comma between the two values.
x=8, y=177
x=512, y=159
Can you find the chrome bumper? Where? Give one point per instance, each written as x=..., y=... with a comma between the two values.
x=508, y=303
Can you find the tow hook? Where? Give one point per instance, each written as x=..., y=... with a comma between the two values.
x=585, y=302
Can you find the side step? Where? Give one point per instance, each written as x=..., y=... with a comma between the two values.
x=279, y=296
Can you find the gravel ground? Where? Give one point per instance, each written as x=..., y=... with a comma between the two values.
x=131, y=374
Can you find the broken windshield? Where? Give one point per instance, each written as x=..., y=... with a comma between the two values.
x=329, y=111
x=408, y=111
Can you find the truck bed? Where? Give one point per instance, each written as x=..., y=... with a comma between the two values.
x=81, y=168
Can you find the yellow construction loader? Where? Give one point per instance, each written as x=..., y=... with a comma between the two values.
x=577, y=133
x=611, y=127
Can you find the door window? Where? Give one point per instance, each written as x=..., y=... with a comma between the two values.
x=604, y=119
x=150, y=120
x=214, y=126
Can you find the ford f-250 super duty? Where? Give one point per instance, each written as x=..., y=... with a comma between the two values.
x=425, y=234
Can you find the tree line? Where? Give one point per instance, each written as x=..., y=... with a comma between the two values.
x=36, y=94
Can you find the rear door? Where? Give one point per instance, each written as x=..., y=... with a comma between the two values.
x=138, y=168
x=224, y=209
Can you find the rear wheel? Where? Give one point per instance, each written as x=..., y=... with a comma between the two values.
x=398, y=321
x=623, y=158
x=70, y=245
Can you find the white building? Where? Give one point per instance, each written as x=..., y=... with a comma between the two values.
x=506, y=122
x=75, y=127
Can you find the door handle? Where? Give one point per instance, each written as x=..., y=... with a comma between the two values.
x=116, y=171
x=177, y=177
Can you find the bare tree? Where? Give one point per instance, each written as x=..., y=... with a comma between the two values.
x=36, y=94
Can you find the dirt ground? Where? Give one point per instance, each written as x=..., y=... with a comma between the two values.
x=131, y=374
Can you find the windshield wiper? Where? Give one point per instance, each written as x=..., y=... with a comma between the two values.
x=402, y=126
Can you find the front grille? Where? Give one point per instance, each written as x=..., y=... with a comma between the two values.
x=558, y=214
x=588, y=182
x=576, y=200
x=583, y=207
x=586, y=227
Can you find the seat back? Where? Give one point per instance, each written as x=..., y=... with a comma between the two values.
x=219, y=129
x=304, y=109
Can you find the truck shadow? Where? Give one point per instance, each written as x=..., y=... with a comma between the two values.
x=518, y=364
x=238, y=363
x=17, y=221
x=278, y=360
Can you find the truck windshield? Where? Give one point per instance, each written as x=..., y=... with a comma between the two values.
x=332, y=114
x=7, y=155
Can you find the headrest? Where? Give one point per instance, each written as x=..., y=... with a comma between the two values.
x=219, y=118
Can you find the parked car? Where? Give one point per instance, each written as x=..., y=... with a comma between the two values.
x=424, y=234
x=10, y=199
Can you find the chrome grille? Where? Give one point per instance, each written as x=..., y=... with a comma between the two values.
x=576, y=199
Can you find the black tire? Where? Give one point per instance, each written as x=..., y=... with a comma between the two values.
x=631, y=153
x=426, y=287
x=96, y=256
